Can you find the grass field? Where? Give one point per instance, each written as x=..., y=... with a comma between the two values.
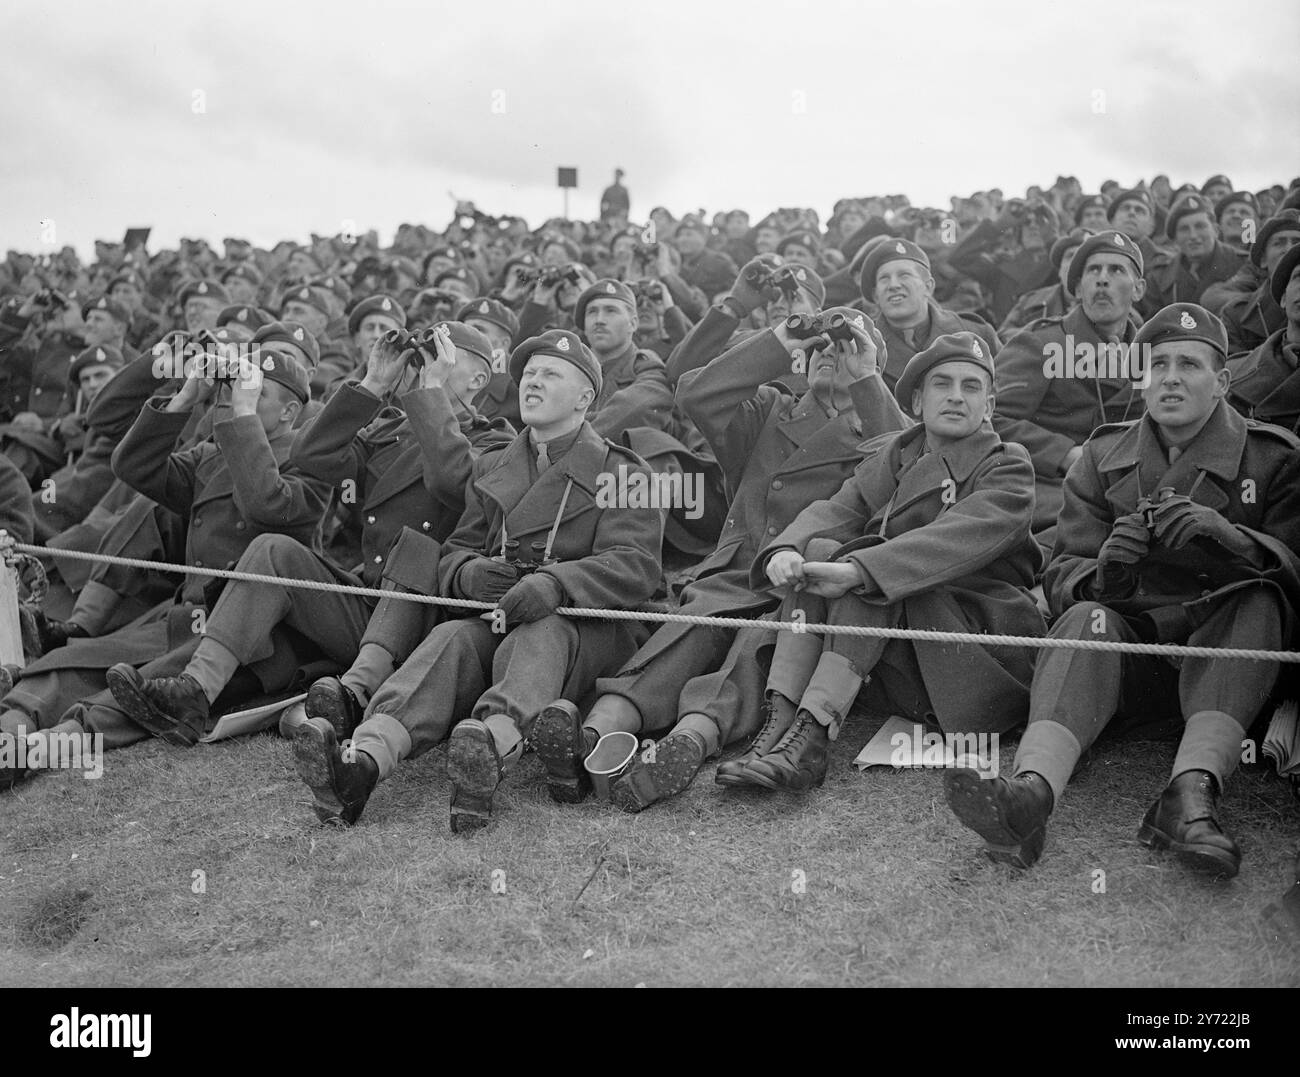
x=98, y=882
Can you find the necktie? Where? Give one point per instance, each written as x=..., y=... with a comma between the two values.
x=543, y=461
x=1174, y=453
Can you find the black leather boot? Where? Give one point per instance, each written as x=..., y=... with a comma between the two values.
x=1186, y=820
x=340, y=782
x=331, y=699
x=172, y=708
x=780, y=717
x=658, y=773
x=1010, y=814
x=799, y=760
x=54, y=634
x=561, y=744
x=475, y=770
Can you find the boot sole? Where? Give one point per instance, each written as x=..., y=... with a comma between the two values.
x=553, y=741
x=328, y=701
x=314, y=758
x=472, y=769
x=974, y=802
x=141, y=710
x=1207, y=859
x=648, y=783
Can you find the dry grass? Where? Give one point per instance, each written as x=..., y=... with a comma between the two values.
x=97, y=881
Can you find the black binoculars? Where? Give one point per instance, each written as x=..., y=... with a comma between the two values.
x=830, y=327
x=523, y=567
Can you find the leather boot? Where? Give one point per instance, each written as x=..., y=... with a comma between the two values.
x=172, y=708
x=561, y=744
x=331, y=699
x=1186, y=820
x=1009, y=814
x=780, y=717
x=658, y=773
x=799, y=760
x=475, y=769
x=54, y=634
x=341, y=782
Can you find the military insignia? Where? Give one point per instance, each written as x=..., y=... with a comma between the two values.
x=1119, y=240
x=297, y=334
x=563, y=344
x=202, y=289
x=387, y=304
x=483, y=307
x=99, y=354
x=242, y=316
x=859, y=322
x=222, y=334
x=268, y=364
x=1187, y=321
x=611, y=289
x=799, y=274
x=900, y=248
x=975, y=347
x=304, y=294
x=102, y=304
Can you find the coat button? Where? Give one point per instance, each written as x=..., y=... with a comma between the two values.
x=198, y=564
x=426, y=525
x=36, y=391
x=240, y=525
x=771, y=530
x=777, y=484
x=370, y=519
x=198, y=521
x=379, y=559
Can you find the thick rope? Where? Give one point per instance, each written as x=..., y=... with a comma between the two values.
x=1168, y=650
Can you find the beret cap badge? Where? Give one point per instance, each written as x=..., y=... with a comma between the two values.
x=1187, y=321
x=563, y=344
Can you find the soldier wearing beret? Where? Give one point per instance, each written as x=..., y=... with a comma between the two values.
x=702, y=687
x=239, y=321
x=1134, y=213
x=1216, y=187
x=496, y=321
x=802, y=247
x=1201, y=259
x=461, y=281
x=230, y=488
x=1090, y=213
x=1237, y=216
x=242, y=282
x=1265, y=382
x=1053, y=300
x=308, y=307
x=533, y=538
x=406, y=470
x=1245, y=301
x=1050, y=396
x=200, y=301
x=1181, y=526
x=932, y=530
x=38, y=341
x=128, y=289
x=896, y=277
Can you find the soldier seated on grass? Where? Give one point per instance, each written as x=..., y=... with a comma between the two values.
x=1180, y=527
x=932, y=531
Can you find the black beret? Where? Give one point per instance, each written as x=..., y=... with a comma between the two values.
x=964, y=346
x=562, y=344
x=606, y=288
x=1135, y=194
x=99, y=354
x=892, y=250
x=304, y=293
x=1093, y=201
x=290, y=333
x=376, y=304
x=1220, y=180
x=1073, y=238
x=1244, y=197
x=111, y=307
x=1184, y=321
x=245, y=314
x=203, y=289
x=1111, y=242
x=801, y=238
x=467, y=338
x=1286, y=221
x=491, y=310
x=1185, y=207
x=1282, y=273
x=244, y=271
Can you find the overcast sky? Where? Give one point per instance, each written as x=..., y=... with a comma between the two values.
x=274, y=120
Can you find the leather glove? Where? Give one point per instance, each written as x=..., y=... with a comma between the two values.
x=485, y=580
x=1127, y=544
x=1177, y=521
x=535, y=596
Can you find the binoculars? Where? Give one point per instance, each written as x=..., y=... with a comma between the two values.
x=523, y=567
x=48, y=298
x=650, y=290
x=415, y=342
x=549, y=276
x=1147, y=505
x=830, y=328
x=647, y=252
x=765, y=279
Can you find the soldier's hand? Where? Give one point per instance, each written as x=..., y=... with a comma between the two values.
x=438, y=366
x=515, y=284
x=863, y=354
x=198, y=383
x=785, y=568
x=747, y=295
x=27, y=420
x=485, y=580
x=829, y=579
x=246, y=388
x=1178, y=521
x=1128, y=542
x=545, y=295
x=1074, y=454
x=385, y=364
x=537, y=595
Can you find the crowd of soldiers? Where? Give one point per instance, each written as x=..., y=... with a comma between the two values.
x=1066, y=415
